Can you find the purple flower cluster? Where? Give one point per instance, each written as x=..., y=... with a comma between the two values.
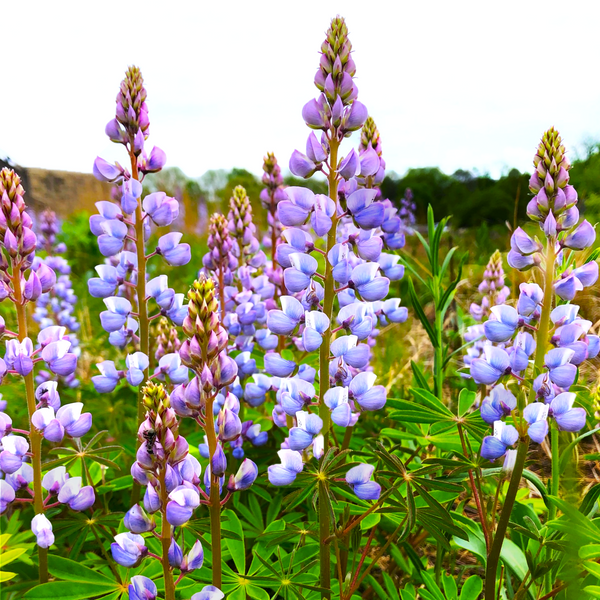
x=563, y=340
x=493, y=293
x=272, y=194
x=357, y=224
x=24, y=278
x=123, y=228
x=172, y=478
x=56, y=306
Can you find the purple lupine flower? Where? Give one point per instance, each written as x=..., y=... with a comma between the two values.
x=560, y=369
x=138, y=521
x=359, y=479
x=501, y=402
x=209, y=592
x=194, y=559
x=495, y=446
x=14, y=449
x=363, y=391
x=308, y=426
x=42, y=529
x=502, y=324
x=244, y=478
x=77, y=497
x=365, y=281
x=142, y=588
x=128, y=549
x=7, y=495
x=286, y=472
x=491, y=367
x=535, y=414
x=567, y=418
x=18, y=356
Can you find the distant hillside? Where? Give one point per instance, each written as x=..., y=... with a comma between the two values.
x=64, y=192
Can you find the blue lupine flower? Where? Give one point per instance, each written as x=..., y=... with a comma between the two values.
x=530, y=299
x=160, y=208
x=489, y=369
x=366, y=213
x=256, y=390
x=315, y=325
x=297, y=240
x=183, y=501
x=308, y=426
x=42, y=529
x=277, y=366
x=109, y=377
x=75, y=496
x=286, y=472
x=341, y=412
x=367, y=395
x=142, y=588
x=209, y=592
x=174, y=253
x=137, y=363
x=574, y=281
x=298, y=276
x=560, y=369
x=116, y=316
x=128, y=549
x=112, y=239
x=367, y=283
x=106, y=283
x=175, y=554
x=567, y=418
x=244, y=478
x=295, y=211
x=501, y=402
x=580, y=238
x=359, y=479
x=137, y=520
x=495, y=446
x=354, y=354
x=502, y=324
x=193, y=559
x=536, y=415
x=388, y=264
x=356, y=317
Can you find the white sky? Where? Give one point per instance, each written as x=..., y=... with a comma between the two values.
x=454, y=84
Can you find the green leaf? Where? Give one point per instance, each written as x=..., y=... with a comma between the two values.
x=390, y=587
x=466, y=398
x=416, y=304
x=370, y=521
x=471, y=588
x=432, y=586
x=9, y=555
x=590, y=551
x=69, y=570
x=67, y=590
x=592, y=590
x=566, y=453
x=419, y=376
x=236, y=547
x=449, y=585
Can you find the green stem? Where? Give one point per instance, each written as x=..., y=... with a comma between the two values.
x=35, y=436
x=324, y=413
x=324, y=551
x=142, y=306
x=438, y=366
x=215, y=498
x=511, y=494
x=165, y=538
